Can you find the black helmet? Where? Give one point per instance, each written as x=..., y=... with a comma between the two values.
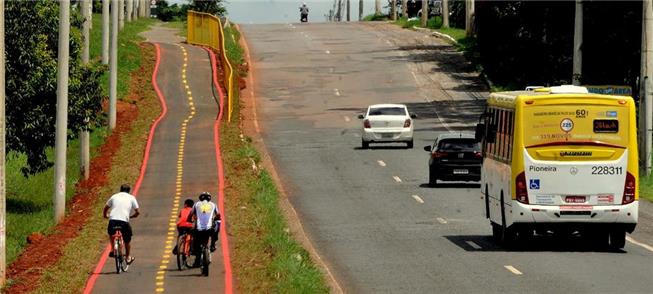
x=205, y=196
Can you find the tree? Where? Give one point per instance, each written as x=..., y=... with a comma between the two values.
x=209, y=6
x=31, y=68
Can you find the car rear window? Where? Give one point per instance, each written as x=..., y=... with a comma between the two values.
x=459, y=145
x=388, y=111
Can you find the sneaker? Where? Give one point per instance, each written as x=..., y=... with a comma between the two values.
x=175, y=250
x=130, y=260
x=111, y=254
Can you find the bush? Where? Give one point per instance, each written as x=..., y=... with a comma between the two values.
x=373, y=17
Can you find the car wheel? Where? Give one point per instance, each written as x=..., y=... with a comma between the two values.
x=617, y=239
x=409, y=144
x=433, y=178
x=365, y=144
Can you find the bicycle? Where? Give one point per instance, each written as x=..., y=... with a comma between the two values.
x=184, y=251
x=119, y=256
x=205, y=258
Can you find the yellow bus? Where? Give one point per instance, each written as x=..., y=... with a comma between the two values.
x=559, y=161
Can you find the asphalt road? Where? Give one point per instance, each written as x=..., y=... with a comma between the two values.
x=155, y=268
x=370, y=213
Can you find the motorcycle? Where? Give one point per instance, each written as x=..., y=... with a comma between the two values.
x=304, y=17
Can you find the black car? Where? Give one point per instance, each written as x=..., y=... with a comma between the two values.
x=454, y=157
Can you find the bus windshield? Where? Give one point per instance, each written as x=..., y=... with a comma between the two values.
x=575, y=124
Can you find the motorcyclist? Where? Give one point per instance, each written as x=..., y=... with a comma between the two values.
x=303, y=11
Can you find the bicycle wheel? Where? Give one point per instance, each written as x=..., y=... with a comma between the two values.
x=117, y=255
x=189, y=258
x=205, y=261
x=180, y=251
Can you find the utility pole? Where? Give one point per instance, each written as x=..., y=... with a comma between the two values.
x=445, y=13
x=646, y=112
x=3, y=191
x=469, y=18
x=105, y=31
x=113, y=66
x=339, y=14
x=348, y=11
x=393, y=9
x=425, y=13
x=121, y=13
x=84, y=140
x=578, y=45
x=360, y=10
x=404, y=8
x=377, y=7
x=130, y=9
x=62, y=112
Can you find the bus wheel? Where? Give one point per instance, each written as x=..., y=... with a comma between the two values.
x=507, y=235
x=496, y=232
x=617, y=239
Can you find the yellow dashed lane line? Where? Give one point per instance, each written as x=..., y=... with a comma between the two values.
x=170, y=239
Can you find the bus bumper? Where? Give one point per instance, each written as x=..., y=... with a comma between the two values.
x=542, y=215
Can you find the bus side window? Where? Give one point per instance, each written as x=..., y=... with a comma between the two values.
x=502, y=137
x=511, y=130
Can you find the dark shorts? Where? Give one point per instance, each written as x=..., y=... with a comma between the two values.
x=124, y=227
x=184, y=230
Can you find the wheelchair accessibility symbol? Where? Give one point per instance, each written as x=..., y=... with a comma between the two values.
x=534, y=184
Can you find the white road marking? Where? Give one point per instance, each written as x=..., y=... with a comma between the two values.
x=441, y=220
x=388, y=42
x=513, y=270
x=415, y=77
x=474, y=245
x=646, y=246
x=418, y=199
x=347, y=119
x=336, y=92
x=397, y=179
x=328, y=52
x=381, y=163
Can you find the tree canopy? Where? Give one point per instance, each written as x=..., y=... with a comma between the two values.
x=31, y=42
x=209, y=6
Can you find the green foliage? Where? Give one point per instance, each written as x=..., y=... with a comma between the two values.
x=209, y=6
x=235, y=53
x=166, y=12
x=531, y=42
x=646, y=187
x=374, y=17
x=31, y=29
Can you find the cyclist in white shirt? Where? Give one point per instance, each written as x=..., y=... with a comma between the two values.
x=121, y=205
x=207, y=222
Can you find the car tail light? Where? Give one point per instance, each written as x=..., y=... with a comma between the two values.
x=629, y=189
x=366, y=124
x=521, y=190
x=407, y=123
x=438, y=154
x=478, y=154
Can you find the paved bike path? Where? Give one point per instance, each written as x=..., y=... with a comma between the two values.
x=155, y=269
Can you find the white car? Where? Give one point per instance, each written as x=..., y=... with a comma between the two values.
x=387, y=123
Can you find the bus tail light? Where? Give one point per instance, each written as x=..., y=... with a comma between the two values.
x=521, y=190
x=366, y=124
x=629, y=189
x=478, y=154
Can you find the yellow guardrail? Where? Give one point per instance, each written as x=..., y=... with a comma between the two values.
x=206, y=30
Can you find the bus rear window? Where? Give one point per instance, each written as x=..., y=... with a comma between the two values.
x=575, y=124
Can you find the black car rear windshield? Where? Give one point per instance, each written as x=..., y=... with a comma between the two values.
x=459, y=145
x=388, y=111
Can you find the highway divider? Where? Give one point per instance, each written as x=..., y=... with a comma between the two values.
x=205, y=29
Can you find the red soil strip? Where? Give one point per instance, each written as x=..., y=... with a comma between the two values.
x=43, y=252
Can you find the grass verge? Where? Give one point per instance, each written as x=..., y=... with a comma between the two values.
x=374, y=17
x=29, y=200
x=266, y=257
x=646, y=187
x=129, y=55
x=81, y=254
x=179, y=24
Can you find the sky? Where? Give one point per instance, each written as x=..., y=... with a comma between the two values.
x=285, y=11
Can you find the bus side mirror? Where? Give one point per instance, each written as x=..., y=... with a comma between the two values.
x=480, y=132
x=360, y=116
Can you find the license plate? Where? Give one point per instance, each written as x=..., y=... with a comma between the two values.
x=460, y=171
x=575, y=199
x=387, y=135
